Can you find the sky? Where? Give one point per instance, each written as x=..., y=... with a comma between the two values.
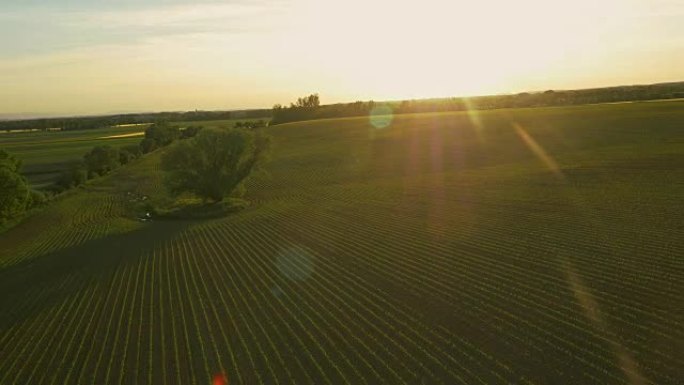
x=110, y=56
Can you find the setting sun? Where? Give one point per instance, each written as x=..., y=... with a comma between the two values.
x=441, y=48
x=89, y=57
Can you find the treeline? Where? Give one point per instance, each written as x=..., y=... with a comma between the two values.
x=103, y=159
x=91, y=122
x=309, y=108
x=251, y=125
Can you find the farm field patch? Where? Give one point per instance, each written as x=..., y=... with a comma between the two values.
x=512, y=246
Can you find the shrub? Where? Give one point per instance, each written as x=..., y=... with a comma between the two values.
x=14, y=190
x=74, y=175
x=101, y=160
x=128, y=153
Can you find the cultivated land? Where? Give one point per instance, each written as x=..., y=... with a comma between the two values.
x=515, y=246
x=45, y=154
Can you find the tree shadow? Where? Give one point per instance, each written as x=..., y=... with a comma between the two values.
x=58, y=275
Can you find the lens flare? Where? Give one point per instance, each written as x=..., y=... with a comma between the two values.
x=219, y=379
x=592, y=311
x=295, y=264
x=539, y=151
x=381, y=116
x=474, y=116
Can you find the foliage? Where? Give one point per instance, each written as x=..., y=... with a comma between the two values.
x=250, y=124
x=101, y=160
x=75, y=175
x=214, y=163
x=9, y=161
x=303, y=109
x=162, y=133
x=148, y=145
x=37, y=198
x=15, y=194
x=128, y=153
x=310, y=101
x=190, y=132
x=307, y=108
x=95, y=122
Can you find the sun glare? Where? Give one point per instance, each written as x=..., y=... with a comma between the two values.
x=206, y=54
x=445, y=48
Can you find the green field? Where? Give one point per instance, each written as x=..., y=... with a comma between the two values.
x=539, y=246
x=45, y=154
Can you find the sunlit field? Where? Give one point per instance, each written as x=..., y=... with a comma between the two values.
x=45, y=154
x=537, y=246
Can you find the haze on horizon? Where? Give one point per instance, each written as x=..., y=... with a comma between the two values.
x=100, y=56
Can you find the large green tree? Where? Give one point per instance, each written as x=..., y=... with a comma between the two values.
x=162, y=133
x=214, y=163
x=15, y=194
x=101, y=160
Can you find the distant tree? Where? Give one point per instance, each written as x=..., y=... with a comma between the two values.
x=128, y=153
x=214, y=163
x=310, y=101
x=132, y=149
x=162, y=133
x=15, y=194
x=251, y=125
x=75, y=174
x=305, y=108
x=101, y=160
x=148, y=145
x=190, y=132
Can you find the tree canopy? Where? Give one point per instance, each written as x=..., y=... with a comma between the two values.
x=101, y=160
x=214, y=163
x=162, y=134
x=15, y=194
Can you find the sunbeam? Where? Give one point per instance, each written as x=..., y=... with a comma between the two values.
x=539, y=151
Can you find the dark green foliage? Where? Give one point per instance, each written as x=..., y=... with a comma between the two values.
x=148, y=145
x=162, y=133
x=128, y=153
x=14, y=194
x=14, y=190
x=190, y=132
x=251, y=124
x=37, y=198
x=75, y=175
x=214, y=163
x=9, y=161
x=310, y=101
x=101, y=160
x=304, y=109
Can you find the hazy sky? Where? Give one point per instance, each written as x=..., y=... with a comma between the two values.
x=100, y=56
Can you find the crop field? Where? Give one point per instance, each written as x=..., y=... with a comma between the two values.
x=529, y=246
x=45, y=154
